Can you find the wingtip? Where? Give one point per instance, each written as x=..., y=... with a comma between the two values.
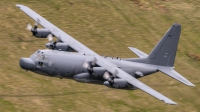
x=188, y=83
x=174, y=103
x=18, y=5
x=171, y=102
x=168, y=101
x=131, y=47
x=192, y=85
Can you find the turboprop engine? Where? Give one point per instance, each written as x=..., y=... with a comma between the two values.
x=82, y=77
x=117, y=83
x=58, y=46
x=93, y=76
x=38, y=32
x=87, y=78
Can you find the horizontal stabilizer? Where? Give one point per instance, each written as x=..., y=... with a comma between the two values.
x=172, y=73
x=138, y=52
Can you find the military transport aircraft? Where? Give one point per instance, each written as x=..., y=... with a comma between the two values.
x=68, y=58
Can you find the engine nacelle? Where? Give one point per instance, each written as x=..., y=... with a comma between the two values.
x=82, y=77
x=59, y=46
x=86, y=78
x=41, y=32
x=118, y=83
x=99, y=71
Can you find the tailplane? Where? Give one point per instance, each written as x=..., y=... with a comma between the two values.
x=138, y=52
x=174, y=74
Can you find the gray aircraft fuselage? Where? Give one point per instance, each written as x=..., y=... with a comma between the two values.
x=68, y=64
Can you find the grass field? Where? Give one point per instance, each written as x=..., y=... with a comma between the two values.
x=108, y=27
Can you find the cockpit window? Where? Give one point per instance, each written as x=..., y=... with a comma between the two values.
x=39, y=55
x=42, y=57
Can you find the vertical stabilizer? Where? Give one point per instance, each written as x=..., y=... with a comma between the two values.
x=164, y=52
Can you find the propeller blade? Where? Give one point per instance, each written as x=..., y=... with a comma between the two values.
x=86, y=65
x=106, y=75
x=36, y=24
x=94, y=62
x=50, y=38
x=29, y=27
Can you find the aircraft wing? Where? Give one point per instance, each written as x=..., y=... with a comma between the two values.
x=64, y=37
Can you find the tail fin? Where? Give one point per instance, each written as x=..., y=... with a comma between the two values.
x=165, y=51
x=163, y=54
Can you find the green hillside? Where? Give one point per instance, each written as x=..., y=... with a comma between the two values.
x=108, y=27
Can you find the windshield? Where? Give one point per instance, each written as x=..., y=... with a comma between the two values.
x=39, y=55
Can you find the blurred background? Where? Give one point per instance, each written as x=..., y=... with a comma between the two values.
x=108, y=27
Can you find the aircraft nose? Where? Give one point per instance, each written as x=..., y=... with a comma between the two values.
x=27, y=63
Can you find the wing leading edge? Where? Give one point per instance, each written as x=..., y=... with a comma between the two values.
x=64, y=37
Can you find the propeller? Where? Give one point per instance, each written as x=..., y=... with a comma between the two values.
x=36, y=25
x=29, y=27
x=86, y=65
x=109, y=78
x=50, y=38
x=89, y=62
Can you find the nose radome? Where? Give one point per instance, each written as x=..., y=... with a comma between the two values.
x=27, y=63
